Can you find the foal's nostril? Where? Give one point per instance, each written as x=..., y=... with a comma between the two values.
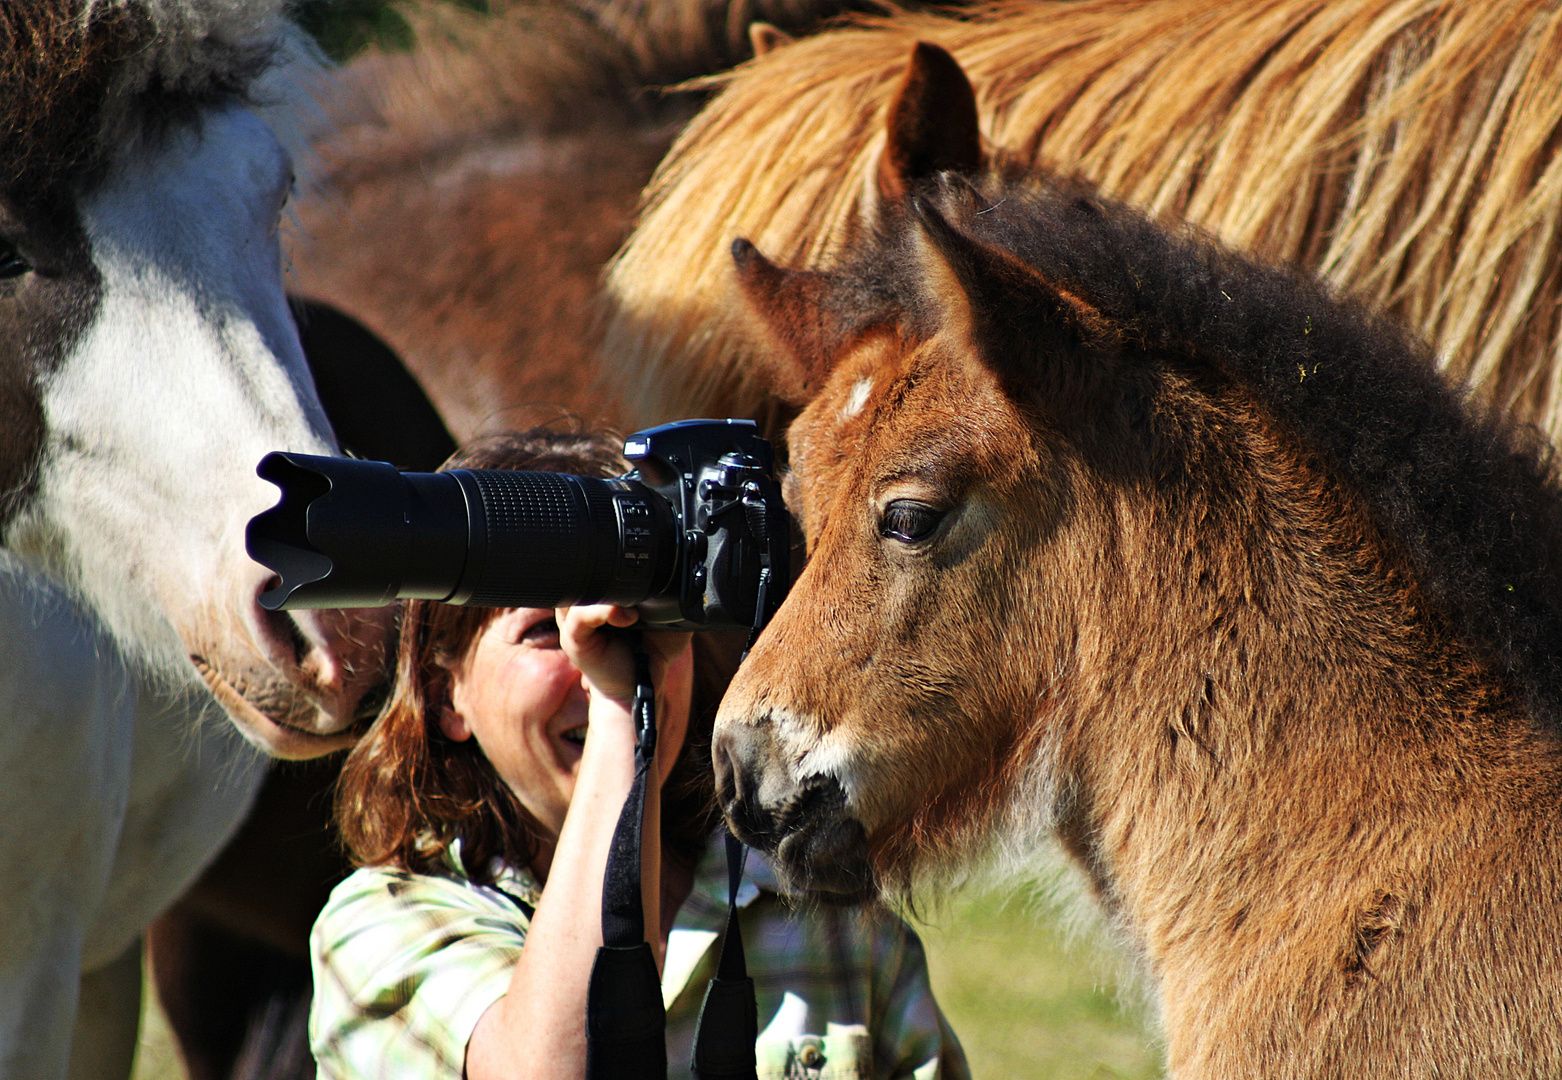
x=738, y=753
x=727, y=768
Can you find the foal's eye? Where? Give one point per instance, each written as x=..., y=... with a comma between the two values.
x=11, y=262
x=908, y=521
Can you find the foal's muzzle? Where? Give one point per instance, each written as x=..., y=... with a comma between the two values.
x=820, y=849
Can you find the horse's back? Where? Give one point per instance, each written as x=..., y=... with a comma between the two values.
x=1405, y=153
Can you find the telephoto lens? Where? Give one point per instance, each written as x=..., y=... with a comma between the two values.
x=696, y=537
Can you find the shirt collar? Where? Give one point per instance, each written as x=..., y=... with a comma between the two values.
x=699, y=921
x=514, y=881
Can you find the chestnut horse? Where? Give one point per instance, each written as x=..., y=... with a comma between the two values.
x=472, y=191
x=1406, y=151
x=1118, y=536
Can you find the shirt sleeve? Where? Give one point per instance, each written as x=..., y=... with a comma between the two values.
x=912, y=1038
x=404, y=967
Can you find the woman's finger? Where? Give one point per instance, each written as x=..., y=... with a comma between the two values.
x=587, y=617
x=602, y=657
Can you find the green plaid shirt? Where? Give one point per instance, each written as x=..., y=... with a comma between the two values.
x=405, y=965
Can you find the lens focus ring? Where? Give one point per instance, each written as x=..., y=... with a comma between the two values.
x=541, y=542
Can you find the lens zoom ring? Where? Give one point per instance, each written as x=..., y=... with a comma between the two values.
x=540, y=542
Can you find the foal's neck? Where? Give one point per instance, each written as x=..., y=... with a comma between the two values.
x=1296, y=755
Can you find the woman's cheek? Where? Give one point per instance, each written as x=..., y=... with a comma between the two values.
x=543, y=683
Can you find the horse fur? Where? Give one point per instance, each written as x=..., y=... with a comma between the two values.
x=134, y=64
x=147, y=360
x=470, y=193
x=1407, y=152
x=1118, y=535
x=506, y=153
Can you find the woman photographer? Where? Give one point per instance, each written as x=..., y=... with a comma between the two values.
x=480, y=808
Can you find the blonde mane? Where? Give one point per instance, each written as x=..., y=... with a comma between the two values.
x=1404, y=150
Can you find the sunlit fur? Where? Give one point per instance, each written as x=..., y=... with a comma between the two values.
x=472, y=190
x=1405, y=151
x=1230, y=593
x=468, y=197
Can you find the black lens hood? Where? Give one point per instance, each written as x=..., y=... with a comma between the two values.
x=350, y=533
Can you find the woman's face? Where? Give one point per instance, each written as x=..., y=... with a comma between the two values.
x=519, y=695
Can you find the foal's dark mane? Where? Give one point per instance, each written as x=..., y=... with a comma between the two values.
x=1474, y=500
x=73, y=90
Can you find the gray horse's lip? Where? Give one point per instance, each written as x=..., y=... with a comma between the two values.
x=279, y=739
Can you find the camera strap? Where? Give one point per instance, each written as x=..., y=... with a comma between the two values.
x=729, y=1017
x=626, y=1022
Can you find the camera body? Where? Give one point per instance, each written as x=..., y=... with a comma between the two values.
x=696, y=537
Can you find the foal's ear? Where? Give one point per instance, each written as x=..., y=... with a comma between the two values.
x=791, y=305
x=1001, y=306
x=932, y=124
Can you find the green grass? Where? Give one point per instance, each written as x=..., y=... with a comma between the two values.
x=1027, y=1003
x=345, y=28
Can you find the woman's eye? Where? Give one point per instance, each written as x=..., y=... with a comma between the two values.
x=11, y=262
x=909, y=521
x=543, y=635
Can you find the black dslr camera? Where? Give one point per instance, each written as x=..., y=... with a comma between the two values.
x=695, y=538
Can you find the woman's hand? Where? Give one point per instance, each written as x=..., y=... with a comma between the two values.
x=537, y=1029
x=605, y=661
x=604, y=658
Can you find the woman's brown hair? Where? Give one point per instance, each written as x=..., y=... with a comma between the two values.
x=407, y=791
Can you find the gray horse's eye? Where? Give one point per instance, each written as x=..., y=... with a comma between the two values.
x=11, y=262
x=909, y=521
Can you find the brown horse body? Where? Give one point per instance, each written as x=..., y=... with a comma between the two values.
x=1117, y=536
x=469, y=196
x=1406, y=151
x=471, y=192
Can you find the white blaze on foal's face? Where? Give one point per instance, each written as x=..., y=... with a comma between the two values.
x=860, y=391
